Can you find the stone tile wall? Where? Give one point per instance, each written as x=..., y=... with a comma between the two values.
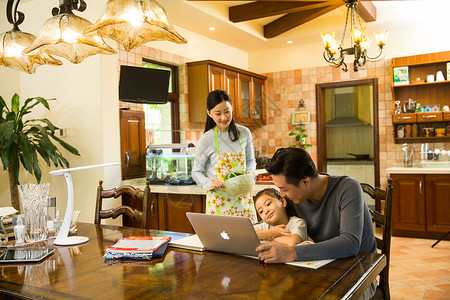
x=284, y=90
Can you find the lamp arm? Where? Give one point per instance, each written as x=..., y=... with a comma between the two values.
x=380, y=56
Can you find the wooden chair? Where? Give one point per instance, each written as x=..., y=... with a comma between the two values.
x=383, y=243
x=142, y=196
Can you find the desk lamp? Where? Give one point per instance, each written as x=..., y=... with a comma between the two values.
x=62, y=238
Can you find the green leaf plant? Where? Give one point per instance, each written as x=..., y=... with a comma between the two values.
x=22, y=141
x=300, y=138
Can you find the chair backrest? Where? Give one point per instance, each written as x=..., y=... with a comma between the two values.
x=385, y=221
x=137, y=194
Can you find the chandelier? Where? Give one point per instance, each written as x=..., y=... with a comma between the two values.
x=335, y=52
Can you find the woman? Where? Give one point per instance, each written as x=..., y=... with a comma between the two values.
x=223, y=147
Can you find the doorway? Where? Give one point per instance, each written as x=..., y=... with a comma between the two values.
x=347, y=130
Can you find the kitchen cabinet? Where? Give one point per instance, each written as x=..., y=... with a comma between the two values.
x=421, y=205
x=425, y=93
x=246, y=90
x=168, y=211
x=132, y=143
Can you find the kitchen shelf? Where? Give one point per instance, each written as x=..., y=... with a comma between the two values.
x=422, y=83
x=422, y=139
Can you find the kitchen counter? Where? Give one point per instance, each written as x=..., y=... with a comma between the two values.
x=192, y=189
x=418, y=170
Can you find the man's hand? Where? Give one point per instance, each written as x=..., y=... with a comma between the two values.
x=276, y=253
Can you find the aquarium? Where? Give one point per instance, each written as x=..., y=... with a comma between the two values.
x=170, y=164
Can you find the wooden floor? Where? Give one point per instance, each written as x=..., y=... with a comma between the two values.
x=418, y=271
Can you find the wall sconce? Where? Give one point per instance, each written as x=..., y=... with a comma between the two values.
x=63, y=35
x=135, y=22
x=13, y=42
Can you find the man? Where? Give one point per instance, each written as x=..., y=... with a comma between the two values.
x=333, y=207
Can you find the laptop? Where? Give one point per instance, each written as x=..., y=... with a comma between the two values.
x=229, y=234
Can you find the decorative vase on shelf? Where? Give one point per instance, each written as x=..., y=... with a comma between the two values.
x=34, y=201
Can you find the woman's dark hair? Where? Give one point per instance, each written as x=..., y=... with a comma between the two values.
x=214, y=98
x=294, y=164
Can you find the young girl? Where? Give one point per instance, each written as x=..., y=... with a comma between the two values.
x=277, y=226
x=223, y=147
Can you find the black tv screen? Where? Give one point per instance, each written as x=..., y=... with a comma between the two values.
x=143, y=85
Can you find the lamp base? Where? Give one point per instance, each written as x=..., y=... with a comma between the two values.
x=71, y=240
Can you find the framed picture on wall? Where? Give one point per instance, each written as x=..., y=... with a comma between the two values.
x=300, y=117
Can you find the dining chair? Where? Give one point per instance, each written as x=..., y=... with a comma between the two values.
x=383, y=219
x=136, y=194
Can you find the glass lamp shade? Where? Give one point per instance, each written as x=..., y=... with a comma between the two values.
x=358, y=34
x=63, y=35
x=381, y=37
x=365, y=44
x=328, y=39
x=135, y=22
x=12, y=43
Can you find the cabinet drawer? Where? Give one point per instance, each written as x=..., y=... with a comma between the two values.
x=404, y=118
x=429, y=116
x=446, y=115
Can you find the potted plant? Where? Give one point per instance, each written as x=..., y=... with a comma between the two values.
x=300, y=138
x=21, y=141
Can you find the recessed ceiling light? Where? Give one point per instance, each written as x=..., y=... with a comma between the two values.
x=212, y=28
x=289, y=42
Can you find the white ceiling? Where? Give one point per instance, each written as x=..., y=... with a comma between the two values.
x=198, y=16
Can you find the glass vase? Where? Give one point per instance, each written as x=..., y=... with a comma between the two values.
x=34, y=202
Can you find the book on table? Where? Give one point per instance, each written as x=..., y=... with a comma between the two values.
x=138, y=247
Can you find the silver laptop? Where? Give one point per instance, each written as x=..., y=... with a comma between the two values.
x=228, y=234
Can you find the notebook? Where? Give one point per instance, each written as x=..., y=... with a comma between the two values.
x=228, y=234
x=190, y=242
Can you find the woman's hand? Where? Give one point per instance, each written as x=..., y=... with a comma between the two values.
x=276, y=253
x=216, y=184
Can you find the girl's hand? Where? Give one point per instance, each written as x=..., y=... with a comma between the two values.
x=279, y=230
x=216, y=184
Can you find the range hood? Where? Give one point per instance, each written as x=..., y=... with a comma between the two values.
x=346, y=112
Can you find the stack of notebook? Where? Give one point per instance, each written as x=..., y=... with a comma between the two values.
x=138, y=247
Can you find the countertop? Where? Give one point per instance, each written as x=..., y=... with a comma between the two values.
x=417, y=169
x=192, y=189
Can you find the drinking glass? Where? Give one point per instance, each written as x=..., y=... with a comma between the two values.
x=34, y=201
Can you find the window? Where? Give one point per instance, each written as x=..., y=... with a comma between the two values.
x=162, y=121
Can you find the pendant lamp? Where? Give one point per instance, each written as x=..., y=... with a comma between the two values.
x=13, y=42
x=135, y=22
x=63, y=35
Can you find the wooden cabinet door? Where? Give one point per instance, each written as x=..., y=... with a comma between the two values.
x=216, y=78
x=244, y=102
x=408, y=211
x=438, y=202
x=152, y=214
x=259, y=101
x=132, y=147
x=172, y=211
x=231, y=87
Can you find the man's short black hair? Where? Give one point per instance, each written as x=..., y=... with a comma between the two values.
x=294, y=163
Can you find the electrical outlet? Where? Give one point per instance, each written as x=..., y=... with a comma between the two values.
x=61, y=132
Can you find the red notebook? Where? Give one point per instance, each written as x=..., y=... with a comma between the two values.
x=138, y=244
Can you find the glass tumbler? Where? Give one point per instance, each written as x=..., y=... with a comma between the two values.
x=34, y=202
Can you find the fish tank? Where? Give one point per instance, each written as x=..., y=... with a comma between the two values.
x=170, y=164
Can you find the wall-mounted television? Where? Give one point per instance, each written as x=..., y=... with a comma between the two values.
x=143, y=85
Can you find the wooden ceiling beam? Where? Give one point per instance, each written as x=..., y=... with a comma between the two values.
x=367, y=11
x=262, y=9
x=293, y=20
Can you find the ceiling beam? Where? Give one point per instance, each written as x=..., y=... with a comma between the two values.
x=293, y=20
x=367, y=11
x=262, y=9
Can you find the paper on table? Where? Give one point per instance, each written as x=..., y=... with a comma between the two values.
x=191, y=243
x=313, y=264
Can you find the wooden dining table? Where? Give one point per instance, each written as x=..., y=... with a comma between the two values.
x=81, y=272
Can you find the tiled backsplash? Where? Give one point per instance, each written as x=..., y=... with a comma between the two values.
x=284, y=90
